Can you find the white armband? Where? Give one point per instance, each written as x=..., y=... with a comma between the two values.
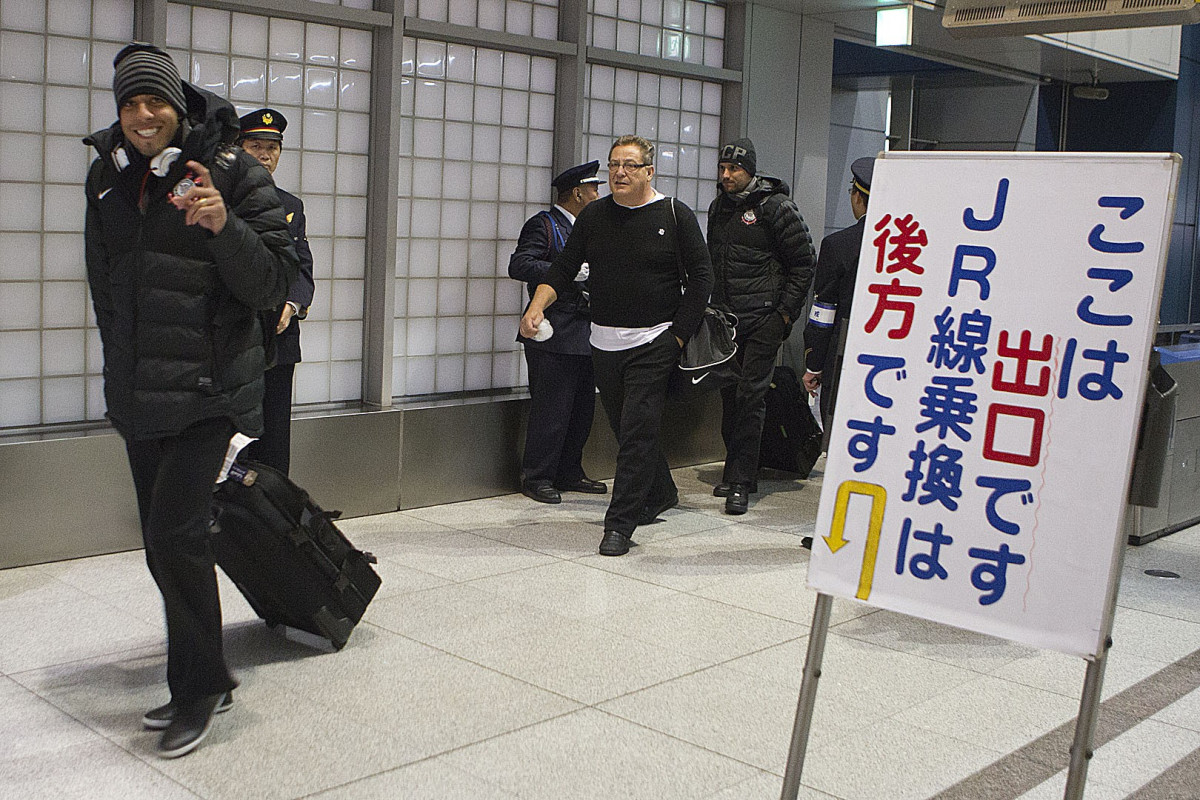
x=822, y=314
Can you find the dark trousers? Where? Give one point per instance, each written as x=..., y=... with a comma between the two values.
x=174, y=478
x=633, y=391
x=274, y=447
x=562, y=393
x=744, y=404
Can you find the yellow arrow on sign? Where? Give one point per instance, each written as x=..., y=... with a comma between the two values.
x=836, y=539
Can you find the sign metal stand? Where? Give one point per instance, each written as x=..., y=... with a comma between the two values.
x=1085, y=722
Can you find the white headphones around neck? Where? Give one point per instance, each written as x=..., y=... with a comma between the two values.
x=160, y=165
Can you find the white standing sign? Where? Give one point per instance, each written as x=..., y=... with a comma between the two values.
x=988, y=407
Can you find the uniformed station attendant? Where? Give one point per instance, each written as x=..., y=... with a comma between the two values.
x=833, y=291
x=262, y=137
x=562, y=386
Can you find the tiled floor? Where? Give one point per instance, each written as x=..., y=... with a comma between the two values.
x=503, y=658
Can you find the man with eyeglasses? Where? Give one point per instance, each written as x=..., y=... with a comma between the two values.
x=833, y=290
x=635, y=242
x=762, y=258
x=562, y=387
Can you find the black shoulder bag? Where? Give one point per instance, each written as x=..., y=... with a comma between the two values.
x=707, y=361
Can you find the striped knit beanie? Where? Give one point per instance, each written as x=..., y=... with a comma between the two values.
x=145, y=69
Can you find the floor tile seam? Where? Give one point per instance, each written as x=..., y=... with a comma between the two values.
x=108, y=739
x=491, y=575
x=387, y=732
x=694, y=593
x=1029, y=739
x=494, y=670
x=492, y=737
x=160, y=647
x=1187, y=768
x=406, y=765
x=1107, y=730
x=1157, y=612
x=590, y=566
x=41, y=604
x=575, y=557
x=924, y=656
x=689, y=674
x=696, y=745
x=705, y=664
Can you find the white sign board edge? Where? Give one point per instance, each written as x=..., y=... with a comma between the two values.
x=894, y=187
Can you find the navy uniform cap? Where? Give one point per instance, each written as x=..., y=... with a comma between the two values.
x=862, y=169
x=577, y=176
x=265, y=123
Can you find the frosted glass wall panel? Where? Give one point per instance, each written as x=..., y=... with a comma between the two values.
x=681, y=116
x=476, y=154
x=525, y=17
x=55, y=88
x=319, y=77
x=676, y=30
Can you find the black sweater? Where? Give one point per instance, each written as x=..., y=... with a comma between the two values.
x=634, y=273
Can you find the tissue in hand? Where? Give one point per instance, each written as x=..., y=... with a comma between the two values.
x=544, y=331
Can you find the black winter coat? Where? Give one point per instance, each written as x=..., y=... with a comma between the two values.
x=177, y=307
x=762, y=253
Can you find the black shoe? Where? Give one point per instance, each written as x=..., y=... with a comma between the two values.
x=650, y=512
x=806, y=542
x=158, y=718
x=189, y=727
x=543, y=493
x=614, y=544
x=738, y=500
x=723, y=489
x=585, y=485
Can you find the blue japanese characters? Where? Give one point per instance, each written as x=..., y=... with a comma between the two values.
x=994, y=370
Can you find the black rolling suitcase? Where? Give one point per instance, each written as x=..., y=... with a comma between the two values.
x=287, y=557
x=791, y=438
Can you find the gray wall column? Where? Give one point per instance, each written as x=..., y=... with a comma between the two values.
x=903, y=102
x=150, y=21
x=569, y=100
x=815, y=91
x=383, y=183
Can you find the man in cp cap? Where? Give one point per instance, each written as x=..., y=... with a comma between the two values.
x=762, y=258
x=562, y=387
x=262, y=137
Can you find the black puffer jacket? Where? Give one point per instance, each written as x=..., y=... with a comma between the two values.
x=762, y=253
x=177, y=307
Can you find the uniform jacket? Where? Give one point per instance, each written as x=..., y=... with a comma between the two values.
x=287, y=344
x=833, y=285
x=177, y=307
x=568, y=315
x=762, y=253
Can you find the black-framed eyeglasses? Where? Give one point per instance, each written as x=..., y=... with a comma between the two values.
x=628, y=166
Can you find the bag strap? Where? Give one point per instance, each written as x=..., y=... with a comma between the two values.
x=554, y=240
x=678, y=255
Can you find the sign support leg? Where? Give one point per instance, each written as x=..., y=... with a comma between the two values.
x=1085, y=726
x=1093, y=682
x=808, y=696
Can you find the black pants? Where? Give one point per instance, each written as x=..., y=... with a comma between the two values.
x=633, y=390
x=562, y=393
x=744, y=404
x=174, y=480
x=274, y=447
